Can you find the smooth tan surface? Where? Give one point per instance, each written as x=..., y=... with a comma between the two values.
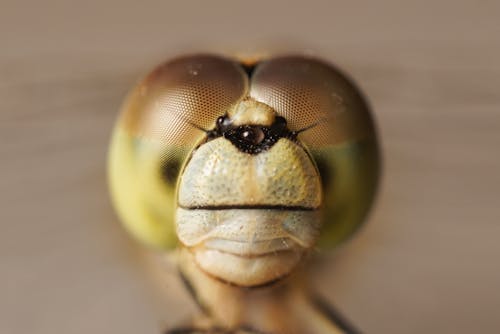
x=427, y=261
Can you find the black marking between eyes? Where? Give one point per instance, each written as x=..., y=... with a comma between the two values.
x=251, y=139
x=249, y=68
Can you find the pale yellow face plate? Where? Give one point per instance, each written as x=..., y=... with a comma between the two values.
x=249, y=218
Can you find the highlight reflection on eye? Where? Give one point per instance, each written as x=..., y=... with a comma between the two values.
x=252, y=135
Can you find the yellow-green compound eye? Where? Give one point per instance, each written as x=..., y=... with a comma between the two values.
x=343, y=141
x=155, y=133
x=175, y=109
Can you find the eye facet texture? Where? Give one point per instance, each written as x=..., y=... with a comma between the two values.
x=310, y=93
x=183, y=94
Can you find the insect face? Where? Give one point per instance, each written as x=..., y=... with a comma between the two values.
x=245, y=168
x=249, y=198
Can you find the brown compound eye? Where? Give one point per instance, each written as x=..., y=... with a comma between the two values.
x=311, y=94
x=330, y=116
x=161, y=121
x=183, y=95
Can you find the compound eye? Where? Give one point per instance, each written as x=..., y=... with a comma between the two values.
x=182, y=96
x=313, y=95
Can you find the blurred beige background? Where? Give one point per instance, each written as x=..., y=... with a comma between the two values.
x=427, y=260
